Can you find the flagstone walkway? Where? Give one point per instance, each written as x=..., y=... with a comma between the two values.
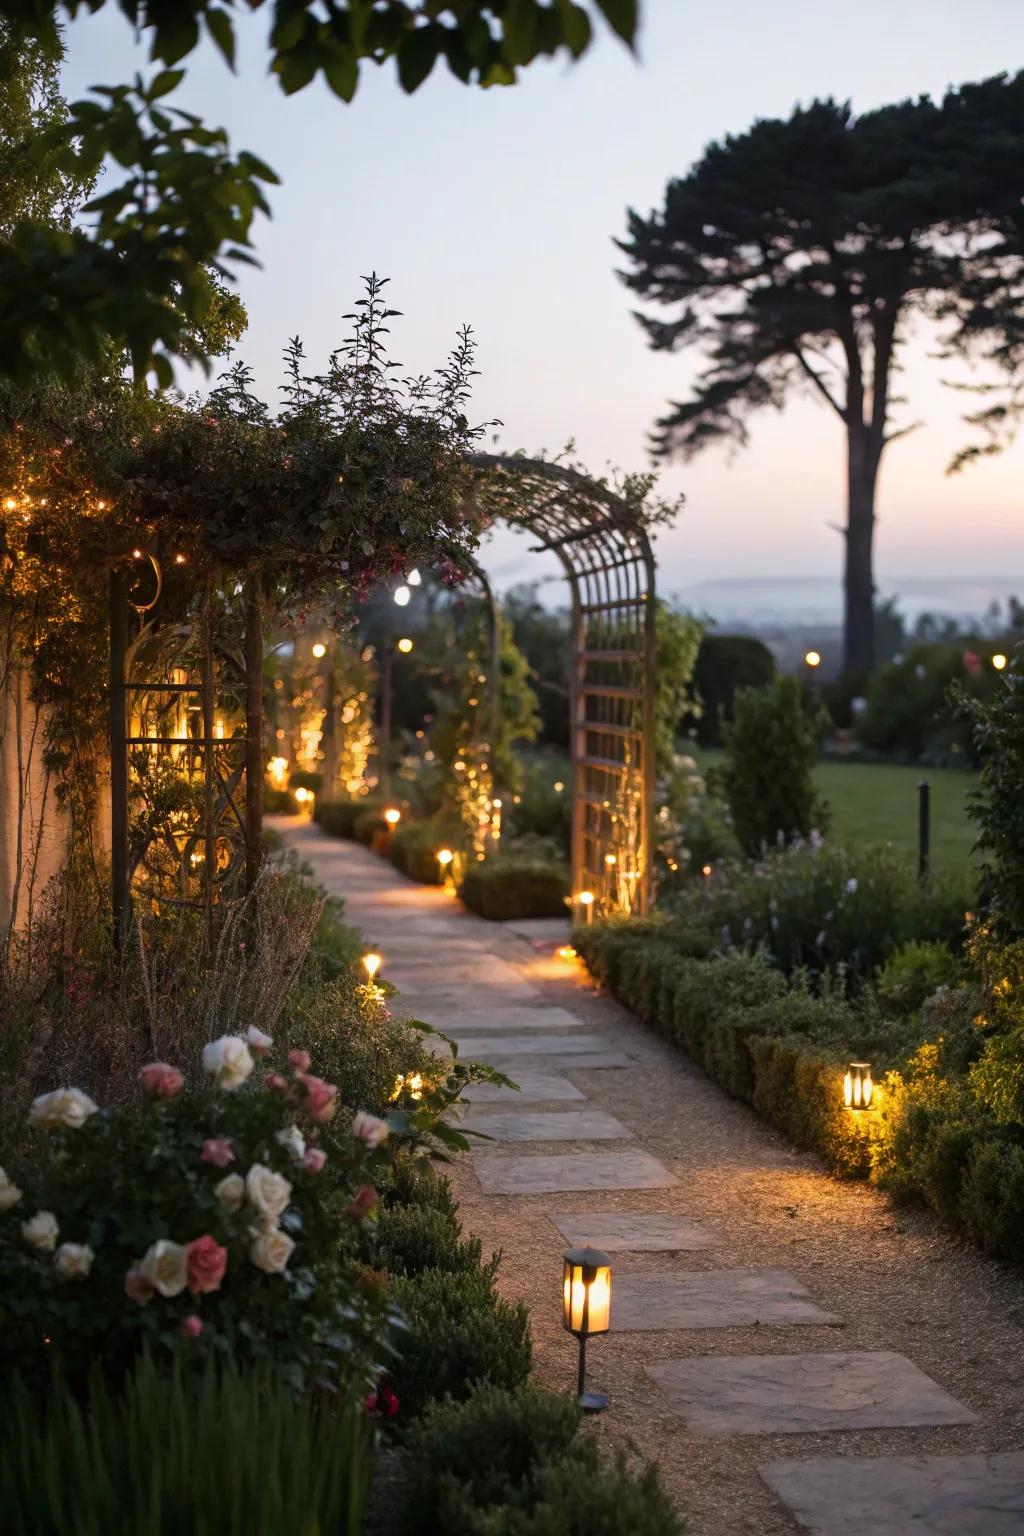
x=794, y=1352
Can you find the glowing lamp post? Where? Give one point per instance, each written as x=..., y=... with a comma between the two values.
x=812, y=659
x=858, y=1089
x=586, y=901
x=999, y=661
x=587, y=1309
x=371, y=965
x=392, y=816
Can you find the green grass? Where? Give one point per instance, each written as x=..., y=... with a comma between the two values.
x=877, y=803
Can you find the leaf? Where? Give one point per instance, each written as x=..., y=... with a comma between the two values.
x=162, y=84
x=621, y=16
x=417, y=56
x=176, y=35
x=221, y=29
x=575, y=25
x=342, y=75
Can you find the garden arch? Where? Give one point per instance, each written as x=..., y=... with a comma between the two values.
x=602, y=544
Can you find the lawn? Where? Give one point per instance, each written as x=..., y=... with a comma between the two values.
x=877, y=803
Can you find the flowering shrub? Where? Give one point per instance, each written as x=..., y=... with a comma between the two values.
x=225, y=1214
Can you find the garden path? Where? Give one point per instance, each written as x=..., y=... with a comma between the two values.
x=796, y=1354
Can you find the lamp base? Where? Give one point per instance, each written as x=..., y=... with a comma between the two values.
x=592, y=1402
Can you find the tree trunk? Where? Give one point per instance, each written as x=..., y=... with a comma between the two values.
x=863, y=458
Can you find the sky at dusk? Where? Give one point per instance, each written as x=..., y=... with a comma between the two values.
x=499, y=208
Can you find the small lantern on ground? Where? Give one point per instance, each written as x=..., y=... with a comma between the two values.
x=586, y=901
x=587, y=1309
x=392, y=816
x=858, y=1089
x=999, y=661
x=371, y=965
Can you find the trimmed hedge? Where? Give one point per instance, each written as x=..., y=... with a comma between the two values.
x=338, y=817
x=505, y=887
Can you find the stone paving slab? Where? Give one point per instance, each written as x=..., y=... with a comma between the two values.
x=540, y=930
x=541, y=1045
x=894, y=1496
x=632, y=1232
x=534, y=1088
x=717, y=1298
x=500, y=1175
x=550, y=1125
x=805, y=1394
x=503, y=1061
x=512, y=1019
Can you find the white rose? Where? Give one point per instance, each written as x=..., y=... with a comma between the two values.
x=165, y=1266
x=63, y=1107
x=10, y=1194
x=42, y=1231
x=268, y=1191
x=258, y=1041
x=230, y=1191
x=271, y=1251
x=293, y=1141
x=229, y=1061
x=73, y=1261
x=369, y=1129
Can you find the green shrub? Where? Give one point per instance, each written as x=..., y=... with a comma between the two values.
x=800, y=1090
x=356, y=1041
x=413, y=1238
x=504, y=888
x=914, y=972
x=581, y=1495
x=335, y=947
x=216, y=1451
x=412, y=848
x=997, y=733
x=707, y=989
x=910, y=713
x=726, y=663
x=370, y=827
x=540, y=809
x=772, y=746
x=459, y=1332
x=464, y=1457
x=338, y=817
x=992, y=1196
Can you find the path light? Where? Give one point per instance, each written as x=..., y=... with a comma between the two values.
x=444, y=857
x=371, y=965
x=813, y=658
x=558, y=786
x=587, y=1309
x=392, y=816
x=566, y=952
x=999, y=661
x=319, y=650
x=586, y=901
x=402, y=596
x=405, y=646
x=858, y=1089
x=302, y=795
x=414, y=578
x=277, y=768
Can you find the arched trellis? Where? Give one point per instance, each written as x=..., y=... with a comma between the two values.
x=602, y=544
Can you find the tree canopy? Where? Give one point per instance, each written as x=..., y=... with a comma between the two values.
x=795, y=255
x=139, y=272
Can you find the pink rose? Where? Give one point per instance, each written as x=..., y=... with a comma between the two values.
x=369, y=1129
x=136, y=1286
x=321, y=1097
x=313, y=1160
x=207, y=1261
x=191, y=1326
x=275, y=1082
x=217, y=1150
x=362, y=1202
x=161, y=1080
x=300, y=1060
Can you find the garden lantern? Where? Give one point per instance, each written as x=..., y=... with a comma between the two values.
x=813, y=659
x=392, y=816
x=587, y=1309
x=371, y=965
x=444, y=857
x=858, y=1089
x=319, y=650
x=402, y=596
x=405, y=645
x=999, y=661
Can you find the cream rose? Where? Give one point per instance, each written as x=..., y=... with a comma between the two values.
x=268, y=1192
x=293, y=1141
x=229, y=1061
x=165, y=1266
x=271, y=1251
x=41, y=1231
x=68, y=1107
x=230, y=1191
x=73, y=1261
x=258, y=1041
x=10, y=1194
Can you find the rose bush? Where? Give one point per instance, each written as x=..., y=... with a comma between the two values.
x=220, y=1210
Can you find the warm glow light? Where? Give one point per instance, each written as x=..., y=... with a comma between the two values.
x=405, y=646
x=302, y=795
x=402, y=596
x=610, y=858
x=414, y=578
x=444, y=857
x=813, y=658
x=999, y=661
x=566, y=952
x=585, y=898
x=277, y=768
x=179, y=559
x=319, y=650
x=559, y=786
x=392, y=816
x=858, y=1089
x=587, y=1292
x=371, y=965
x=706, y=871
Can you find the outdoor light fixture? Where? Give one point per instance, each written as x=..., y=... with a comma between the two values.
x=302, y=795
x=392, y=816
x=858, y=1089
x=999, y=661
x=586, y=901
x=277, y=768
x=319, y=650
x=405, y=646
x=566, y=952
x=414, y=578
x=587, y=1309
x=610, y=858
x=402, y=596
x=706, y=871
x=813, y=658
x=559, y=786
x=371, y=965
x=444, y=857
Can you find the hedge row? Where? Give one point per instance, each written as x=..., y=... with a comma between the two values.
x=508, y=887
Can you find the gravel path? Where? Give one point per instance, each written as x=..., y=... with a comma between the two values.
x=893, y=1279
